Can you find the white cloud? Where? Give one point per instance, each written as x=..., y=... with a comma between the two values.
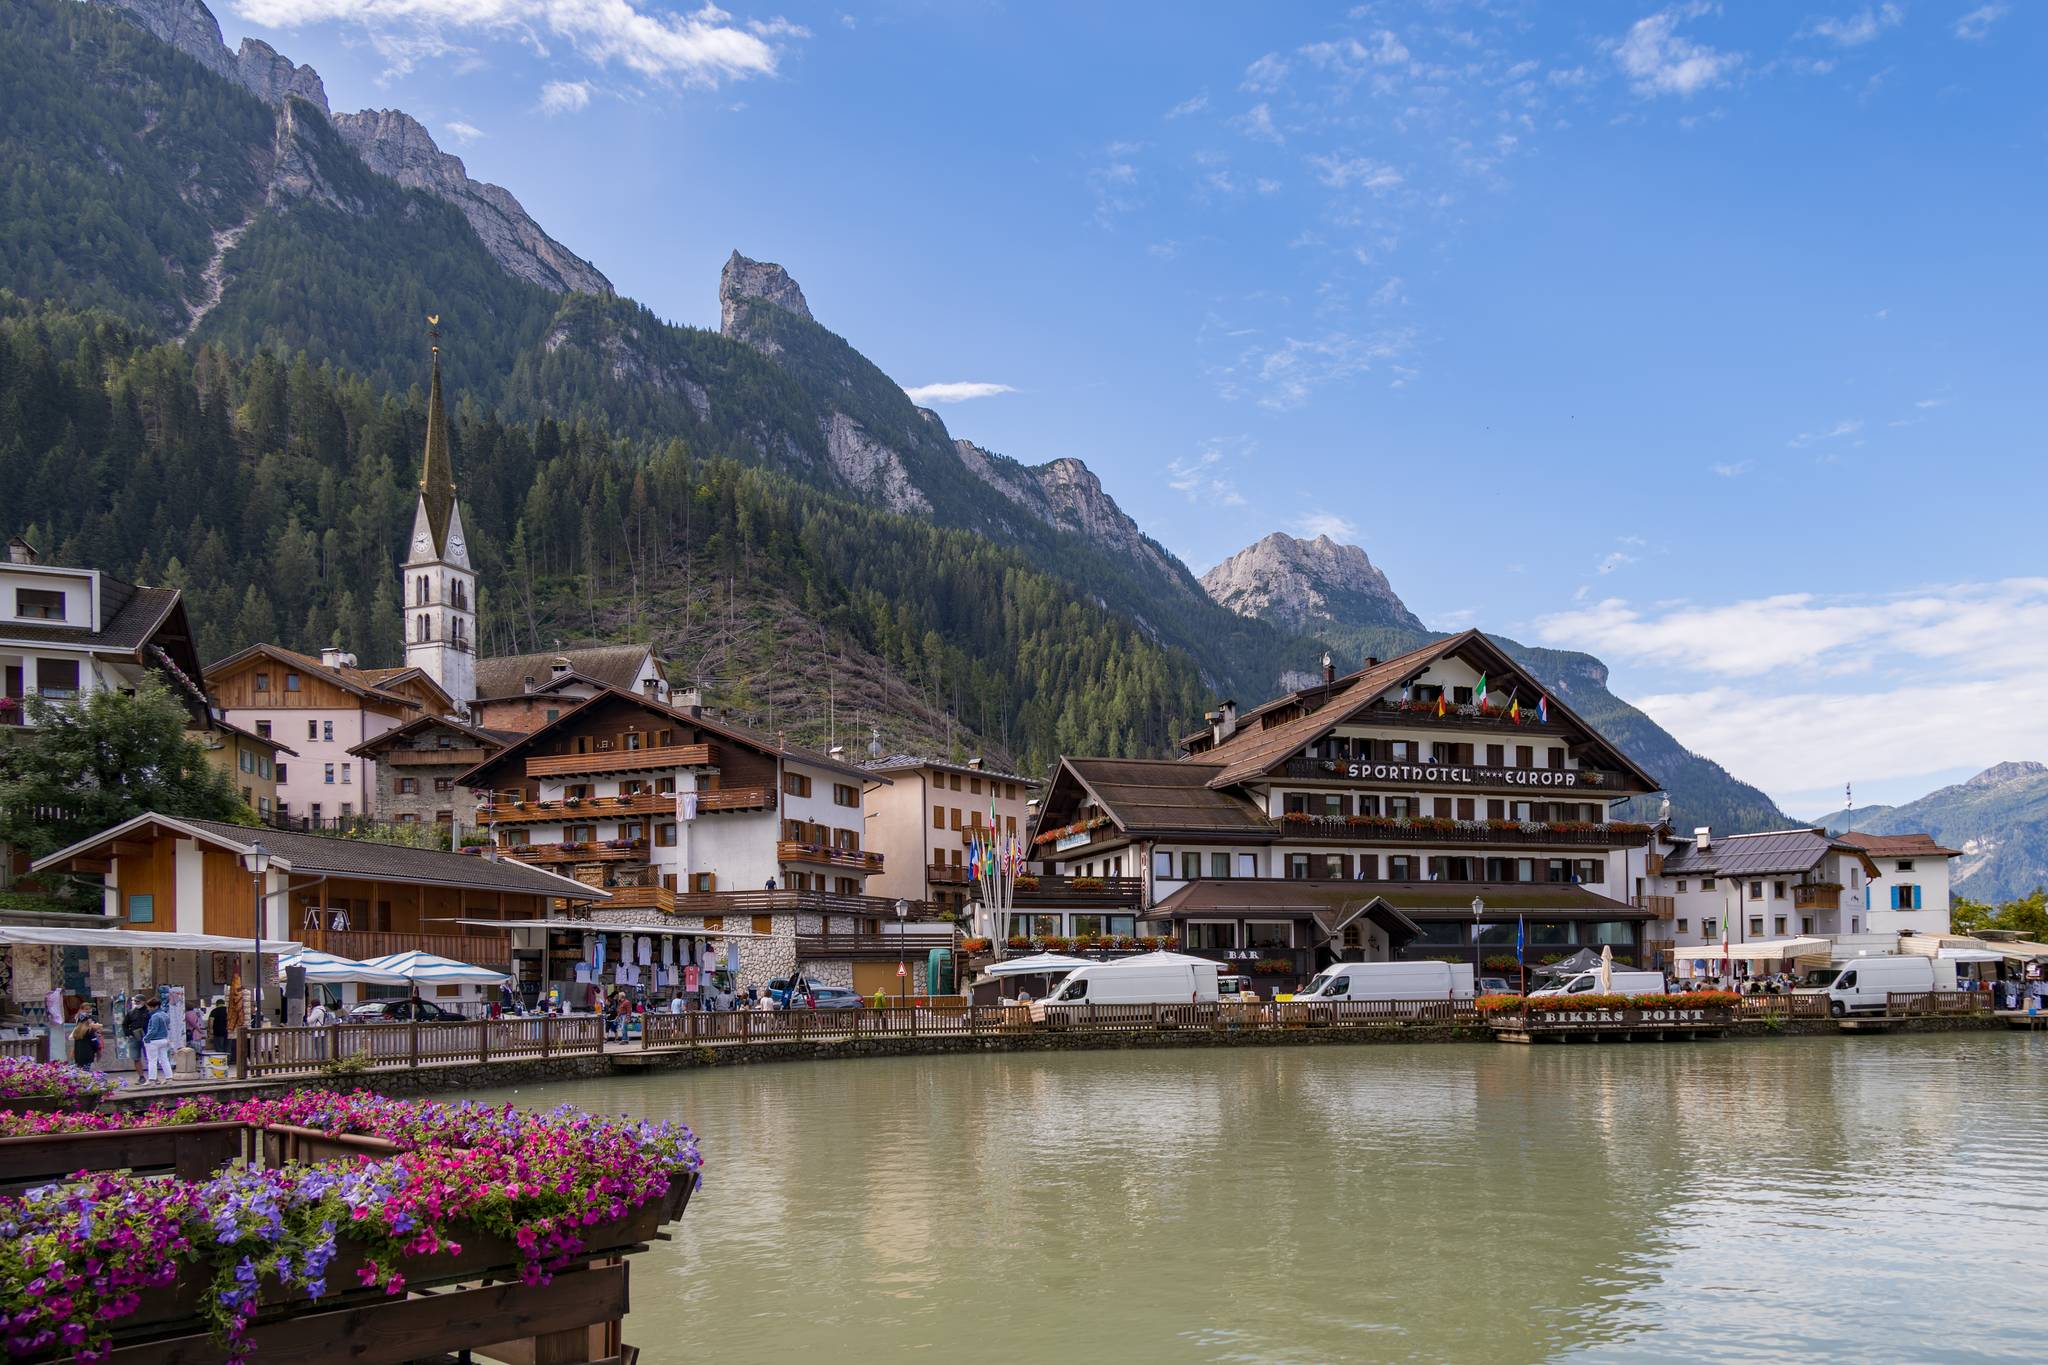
x=1343, y=172
x=1193, y=104
x=1389, y=294
x=1848, y=426
x=464, y=133
x=1265, y=75
x=1200, y=478
x=1735, y=470
x=1350, y=59
x=1326, y=524
x=699, y=47
x=1976, y=25
x=1613, y=560
x=955, y=391
x=1854, y=30
x=1801, y=689
x=1257, y=122
x=1659, y=60
x=564, y=97
x=1930, y=403
x=1281, y=378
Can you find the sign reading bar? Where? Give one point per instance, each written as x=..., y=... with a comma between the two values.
x=1458, y=775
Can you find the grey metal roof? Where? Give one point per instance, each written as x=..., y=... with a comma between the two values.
x=911, y=762
x=1754, y=855
x=133, y=615
x=338, y=857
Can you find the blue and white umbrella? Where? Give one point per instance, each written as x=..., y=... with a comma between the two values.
x=326, y=969
x=416, y=966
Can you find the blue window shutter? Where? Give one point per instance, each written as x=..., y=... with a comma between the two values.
x=1916, y=897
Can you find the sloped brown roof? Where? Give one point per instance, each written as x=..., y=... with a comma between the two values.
x=1419, y=900
x=490, y=739
x=1255, y=749
x=1898, y=845
x=367, y=682
x=606, y=665
x=1161, y=795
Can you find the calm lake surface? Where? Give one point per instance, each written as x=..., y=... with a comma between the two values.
x=1797, y=1199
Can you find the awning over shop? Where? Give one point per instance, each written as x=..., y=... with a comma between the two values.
x=134, y=940
x=1970, y=955
x=1036, y=964
x=588, y=926
x=1756, y=950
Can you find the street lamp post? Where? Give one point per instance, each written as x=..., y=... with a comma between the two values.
x=1478, y=909
x=902, y=964
x=257, y=860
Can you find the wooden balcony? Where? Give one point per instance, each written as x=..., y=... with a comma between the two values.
x=484, y=948
x=1423, y=829
x=1466, y=716
x=1816, y=896
x=640, y=898
x=845, y=859
x=502, y=810
x=914, y=941
x=601, y=851
x=619, y=759
x=947, y=876
x=736, y=799
x=1532, y=783
x=1661, y=907
x=1080, y=893
x=435, y=758
x=791, y=902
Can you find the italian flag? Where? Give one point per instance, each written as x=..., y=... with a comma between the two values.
x=1480, y=695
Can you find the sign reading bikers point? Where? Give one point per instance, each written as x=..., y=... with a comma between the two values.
x=1461, y=775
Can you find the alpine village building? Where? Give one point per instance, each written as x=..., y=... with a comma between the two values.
x=925, y=814
x=1370, y=817
x=709, y=832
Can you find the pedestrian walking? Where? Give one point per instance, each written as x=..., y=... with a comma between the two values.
x=85, y=1040
x=156, y=1044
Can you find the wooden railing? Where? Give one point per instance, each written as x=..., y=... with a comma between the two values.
x=735, y=799
x=484, y=949
x=394, y=1046
x=915, y=940
x=641, y=898
x=1816, y=897
x=434, y=758
x=1437, y=830
x=939, y=874
x=852, y=859
x=1779, y=1006
x=503, y=811
x=619, y=759
x=1663, y=907
x=1920, y=1004
x=1079, y=892
x=785, y=902
x=589, y=851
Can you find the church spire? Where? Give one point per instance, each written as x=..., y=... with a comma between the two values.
x=437, y=477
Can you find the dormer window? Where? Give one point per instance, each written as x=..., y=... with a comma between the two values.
x=39, y=604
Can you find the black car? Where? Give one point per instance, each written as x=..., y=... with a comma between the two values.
x=398, y=1011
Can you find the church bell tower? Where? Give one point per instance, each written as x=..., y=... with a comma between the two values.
x=438, y=580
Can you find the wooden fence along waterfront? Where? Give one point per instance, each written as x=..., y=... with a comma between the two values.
x=393, y=1046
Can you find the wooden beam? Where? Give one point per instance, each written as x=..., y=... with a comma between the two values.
x=129, y=848
x=394, y=1331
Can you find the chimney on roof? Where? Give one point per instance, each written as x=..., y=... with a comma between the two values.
x=975, y=763
x=1222, y=722
x=1702, y=836
x=528, y=683
x=1372, y=661
x=559, y=665
x=837, y=751
x=691, y=701
x=334, y=656
x=782, y=739
x=1329, y=669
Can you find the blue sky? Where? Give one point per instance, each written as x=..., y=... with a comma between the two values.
x=1704, y=337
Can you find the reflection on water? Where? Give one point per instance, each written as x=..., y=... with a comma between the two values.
x=1802, y=1198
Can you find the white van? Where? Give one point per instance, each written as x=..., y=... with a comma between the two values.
x=1865, y=985
x=1343, y=981
x=1620, y=983
x=1183, y=982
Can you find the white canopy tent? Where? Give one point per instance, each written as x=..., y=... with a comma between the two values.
x=325, y=969
x=1971, y=955
x=135, y=940
x=1756, y=950
x=1036, y=964
x=433, y=970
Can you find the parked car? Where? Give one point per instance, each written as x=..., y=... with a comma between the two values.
x=398, y=1011
x=833, y=998
x=1232, y=988
x=1497, y=985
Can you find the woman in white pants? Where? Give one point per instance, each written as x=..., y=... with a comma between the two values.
x=156, y=1044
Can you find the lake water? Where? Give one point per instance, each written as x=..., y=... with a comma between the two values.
x=1865, y=1198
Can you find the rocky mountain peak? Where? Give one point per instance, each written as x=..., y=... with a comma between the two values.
x=1999, y=774
x=744, y=279
x=390, y=142
x=1306, y=584
x=1065, y=493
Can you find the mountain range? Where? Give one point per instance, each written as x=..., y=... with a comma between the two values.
x=1998, y=819
x=212, y=199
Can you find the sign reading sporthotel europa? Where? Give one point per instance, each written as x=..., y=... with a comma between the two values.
x=1455, y=774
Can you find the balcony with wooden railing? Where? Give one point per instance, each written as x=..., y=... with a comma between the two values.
x=506, y=808
x=483, y=948
x=822, y=855
x=1661, y=907
x=1083, y=893
x=788, y=902
x=911, y=939
x=434, y=758
x=1426, y=829
x=589, y=851
x=1817, y=896
x=640, y=898
x=947, y=875
x=620, y=759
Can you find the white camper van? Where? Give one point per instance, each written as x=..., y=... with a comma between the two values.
x=1865, y=985
x=1343, y=981
x=1134, y=981
x=1620, y=983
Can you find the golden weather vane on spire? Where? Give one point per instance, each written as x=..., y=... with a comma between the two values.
x=434, y=330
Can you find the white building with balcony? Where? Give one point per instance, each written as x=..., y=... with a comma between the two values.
x=1797, y=887
x=1910, y=893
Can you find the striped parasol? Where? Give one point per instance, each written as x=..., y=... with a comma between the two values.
x=417, y=967
x=326, y=969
